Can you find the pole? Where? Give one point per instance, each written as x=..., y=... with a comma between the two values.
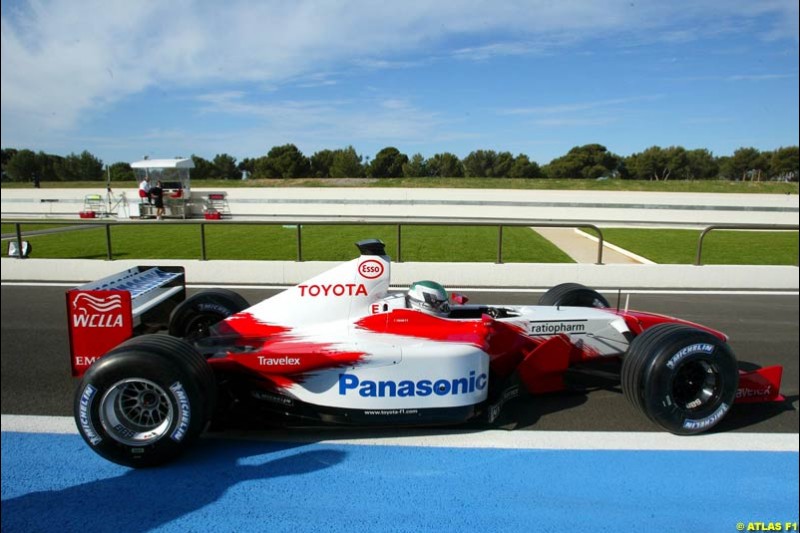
x=108, y=190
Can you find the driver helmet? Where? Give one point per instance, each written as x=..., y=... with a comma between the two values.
x=429, y=297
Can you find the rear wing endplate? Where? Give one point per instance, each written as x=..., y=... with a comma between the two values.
x=104, y=313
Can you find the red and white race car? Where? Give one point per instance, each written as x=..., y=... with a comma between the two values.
x=342, y=349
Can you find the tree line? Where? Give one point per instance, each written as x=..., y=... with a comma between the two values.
x=591, y=161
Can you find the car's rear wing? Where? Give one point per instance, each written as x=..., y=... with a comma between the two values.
x=106, y=312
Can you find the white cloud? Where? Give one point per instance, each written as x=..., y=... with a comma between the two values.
x=576, y=107
x=334, y=122
x=701, y=121
x=736, y=77
x=571, y=122
x=381, y=64
x=488, y=51
x=759, y=77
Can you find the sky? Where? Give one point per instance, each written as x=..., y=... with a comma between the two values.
x=125, y=79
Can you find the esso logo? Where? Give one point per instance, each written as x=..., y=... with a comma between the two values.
x=371, y=269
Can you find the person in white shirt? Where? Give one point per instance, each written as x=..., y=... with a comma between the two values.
x=144, y=190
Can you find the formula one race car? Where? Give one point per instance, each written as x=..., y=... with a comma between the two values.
x=341, y=349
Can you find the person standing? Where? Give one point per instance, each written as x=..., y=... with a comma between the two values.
x=157, y=198
x=144, y=190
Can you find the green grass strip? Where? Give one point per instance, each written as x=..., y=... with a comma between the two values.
x=319, y=243
x=720, y=247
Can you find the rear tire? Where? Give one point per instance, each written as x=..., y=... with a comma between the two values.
x=193, y=318
x=184, y=354
x=145, y=402
x=573, y=295
x=682, y=378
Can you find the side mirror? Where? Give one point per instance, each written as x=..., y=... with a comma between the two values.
x=459, y=299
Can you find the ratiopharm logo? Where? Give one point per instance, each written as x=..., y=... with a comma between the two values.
x=90, y=311
x=371, y=269
x=553, y=328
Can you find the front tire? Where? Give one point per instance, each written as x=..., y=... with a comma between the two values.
x=684, y=379
x=573, y=295
x=140, y=405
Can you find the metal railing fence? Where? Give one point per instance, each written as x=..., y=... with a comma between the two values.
x=299, y=223
x=755, y=227
x=399, y=224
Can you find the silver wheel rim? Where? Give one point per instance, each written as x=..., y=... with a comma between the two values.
x=136, y=412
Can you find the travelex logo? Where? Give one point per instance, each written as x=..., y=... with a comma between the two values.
x=351, y=384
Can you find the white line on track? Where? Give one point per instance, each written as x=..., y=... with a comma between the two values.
x=490, y=439
x=470, y=289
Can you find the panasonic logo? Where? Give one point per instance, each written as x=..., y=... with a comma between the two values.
x=350, y=383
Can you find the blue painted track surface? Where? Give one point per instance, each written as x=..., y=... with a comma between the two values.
x=55, y=483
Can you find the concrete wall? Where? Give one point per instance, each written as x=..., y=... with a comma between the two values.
x=599, y=207
x=535, y=276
